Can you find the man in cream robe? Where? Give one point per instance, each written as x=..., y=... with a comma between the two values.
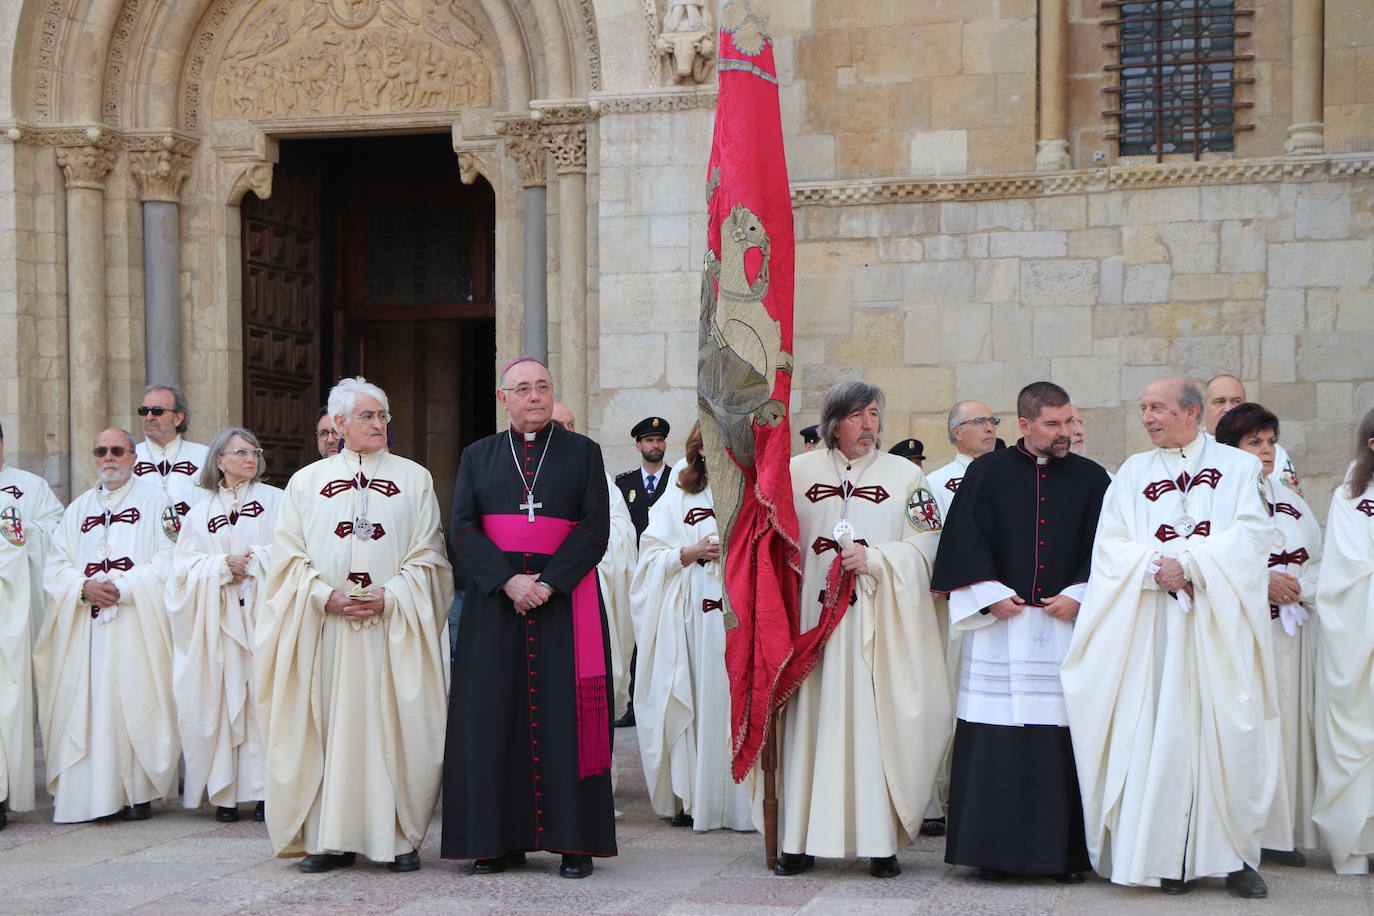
x=103, y=660
x=29, y=514
x=860, y=740
x=683, y=705
x=165, y=458
x=212, y=619
x=1344, y=807
x=1168, y=680
x=349, y=655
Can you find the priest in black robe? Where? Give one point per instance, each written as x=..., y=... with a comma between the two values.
x=1014, y=559
x=527, y=759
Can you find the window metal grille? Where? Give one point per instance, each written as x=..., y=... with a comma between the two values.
x=1176, y=67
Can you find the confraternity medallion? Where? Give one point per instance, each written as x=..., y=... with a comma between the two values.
x=171, y=523
x=363, y=529
x=843, y=530
x=11, y=526
x=1184, y=525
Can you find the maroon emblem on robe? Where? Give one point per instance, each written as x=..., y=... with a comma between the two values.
x=13, y=491
x=1295, y=557
x=698, y=515
x=819, y=491
x=335, y=487
x=1209, y=476
x=362, y=579
x=952, y=485
x=344, y=529
x=129, y=515
x=1167, y=532
x=1366, y=506
x=1287, y=509
x=123, y=564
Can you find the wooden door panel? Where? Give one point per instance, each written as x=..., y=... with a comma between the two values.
x=281, y=320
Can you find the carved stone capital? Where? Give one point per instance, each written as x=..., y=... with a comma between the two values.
x=86, y=166
x=255, y=177
x=1052, y=155
x=690, y=54
x=1305, y=139
x=568, y=144
x=524, y=145
x=161, y=171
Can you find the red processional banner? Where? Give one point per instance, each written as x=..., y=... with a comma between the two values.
x=745, y=379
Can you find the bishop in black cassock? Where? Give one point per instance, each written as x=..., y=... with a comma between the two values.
x=1014, y=559
x=526, y=765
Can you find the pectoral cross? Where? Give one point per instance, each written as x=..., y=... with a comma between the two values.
x=531, y=505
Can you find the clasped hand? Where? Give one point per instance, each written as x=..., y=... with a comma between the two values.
x=525, y=592
x=1284, y=589
x=352, y=608
x=704, y=549
x=238, y=566
x=101, y=594
x=1171, y=577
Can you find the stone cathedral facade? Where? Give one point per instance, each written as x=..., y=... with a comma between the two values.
x=251, y=197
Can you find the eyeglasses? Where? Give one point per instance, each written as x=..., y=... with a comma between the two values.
x=244, y=452
x=118, y=451
x=994, y=422
x=324, y=434
x=155, y=411
x=523, y=391
x=367, y=416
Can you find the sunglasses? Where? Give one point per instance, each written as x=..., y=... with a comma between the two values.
x=118, y=451
x=155, y=411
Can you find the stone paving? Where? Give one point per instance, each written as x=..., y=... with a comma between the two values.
x=180, y=862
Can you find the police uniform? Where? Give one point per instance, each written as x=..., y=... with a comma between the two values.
x=910, y=449
x=811, y=435
x=634, y=485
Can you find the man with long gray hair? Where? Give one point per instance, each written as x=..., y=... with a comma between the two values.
x=861, y=738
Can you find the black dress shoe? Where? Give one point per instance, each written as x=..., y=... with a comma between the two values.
x=793, y=863
x=1246, y=883
x=139, y=812
x=498, y=864
x=327, y=861
x=226, y=815
x=1070, y=877
x=681, y=819
x=933, y=826
x=406, y=861
x=1174, y=886
x=993, y=874
x=260, y=812
x=1290, y=857
x=884, y=867
x=627, y=720
x=575, y=866
x=4, y=816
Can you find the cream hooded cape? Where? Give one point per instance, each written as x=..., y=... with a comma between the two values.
x=353, y=715
x=1174, y=715
x=614, y=572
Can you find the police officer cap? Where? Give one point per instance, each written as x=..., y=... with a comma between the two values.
x=650, y=426
x=909, y=448
x=811, y=434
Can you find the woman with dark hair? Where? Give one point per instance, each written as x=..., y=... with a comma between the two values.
x=1344, y=807
x=682, y=700
x=214, y=596
x=1293, y=565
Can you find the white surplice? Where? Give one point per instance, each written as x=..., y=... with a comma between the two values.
x=682, y=702
x=174, y=469
x=861, y=739
x=29, y=514
x=353, y=714
x=1295, y=661
x=212, y=621
x=1174, y=712
x=105, y=684
x=1344, y=807
x=614, y=572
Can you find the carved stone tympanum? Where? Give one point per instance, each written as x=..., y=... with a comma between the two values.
x=301, y=58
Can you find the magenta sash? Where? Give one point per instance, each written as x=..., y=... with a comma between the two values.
x=515, y=534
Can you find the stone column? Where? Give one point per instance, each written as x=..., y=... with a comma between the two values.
x=565, y=136
x=525, y=147
x=1052, y=150
x=1305, y=133
x=159, y=173
x=84, y=169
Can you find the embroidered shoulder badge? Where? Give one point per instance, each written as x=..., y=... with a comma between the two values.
x=922, y=511
x=12, y=526
x=171, y=523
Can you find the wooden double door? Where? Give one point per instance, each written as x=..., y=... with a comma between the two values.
x=370, y=257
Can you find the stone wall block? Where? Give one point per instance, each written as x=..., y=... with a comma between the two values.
x=939, y=152
x=1112, y=208
x=920, y=335
x=1322, y=216
x=1146, y=283
x=1322, y=309
x=966, y=333
x=999, y=46
x=1168, y=205
x=1062, y=331
x=977, y=245
x=1199, y=287
x=1091, y=381
x=980, y=381
x=1095, y=243
x=1278, y=358
x=945, y=248
x=900, y=249
x=1028, y=244
x=1285, y=310
x=1067, y=212
x=916, y=385
x=1011, y=332
x=1066, y=282
x=1119, y=321
x=1140, y=244
x=1144, y=351
x=1192, y=247
x=1242, y=247
x=1290, y=400
x=1329, y=357
x=944, y=283
x=1110, y=281
x=996, y=280
x=1306, y=264
x=876, y=341
x=1203, y=357
x=822, y=305
x=958, y=217
x=1005, y=214
x=1248, y=201
x=1355, y=311
x=834, y=257
x=876, y=283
